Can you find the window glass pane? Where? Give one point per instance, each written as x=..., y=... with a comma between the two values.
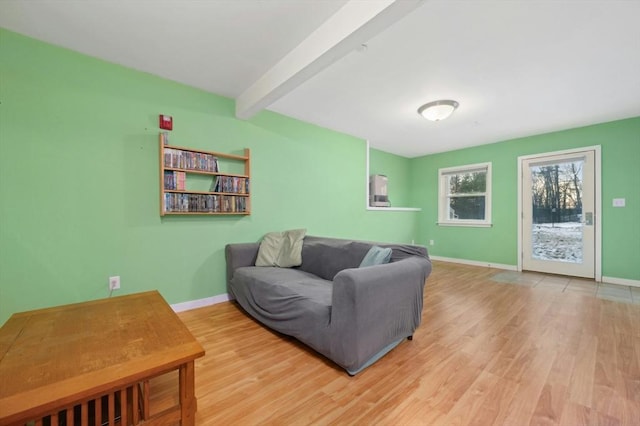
x=467, y=183
x=464, y=195
x=557, y=211
x=466, y=208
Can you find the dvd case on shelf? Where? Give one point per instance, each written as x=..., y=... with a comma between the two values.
x=228, y=193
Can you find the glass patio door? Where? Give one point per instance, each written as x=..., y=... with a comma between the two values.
x=558, y=217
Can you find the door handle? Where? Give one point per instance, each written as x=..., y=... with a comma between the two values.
x=588, y=218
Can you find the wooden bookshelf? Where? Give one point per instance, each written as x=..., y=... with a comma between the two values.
x=229, y=193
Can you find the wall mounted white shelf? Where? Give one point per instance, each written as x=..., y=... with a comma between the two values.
x=380, y=209
x=393, y=209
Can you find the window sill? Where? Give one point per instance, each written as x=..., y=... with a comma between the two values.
x=468, y=225
x=395, y=209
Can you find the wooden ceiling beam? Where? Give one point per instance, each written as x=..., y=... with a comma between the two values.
x=351, y=26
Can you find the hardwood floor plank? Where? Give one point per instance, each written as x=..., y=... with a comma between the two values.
x=497, y=403
x=554, y=394
x=550, y=405
x=486, y=353
x=582, y=378
x=576, y=414
x=531, y=385
x=473, y=400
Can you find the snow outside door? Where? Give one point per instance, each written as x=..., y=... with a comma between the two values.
x=558, y=217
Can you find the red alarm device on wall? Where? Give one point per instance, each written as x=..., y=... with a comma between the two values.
x=166, y=122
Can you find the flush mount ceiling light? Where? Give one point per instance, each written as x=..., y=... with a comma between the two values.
x=438, y=110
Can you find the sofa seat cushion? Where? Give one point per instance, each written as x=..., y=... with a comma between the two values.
x=290, y=301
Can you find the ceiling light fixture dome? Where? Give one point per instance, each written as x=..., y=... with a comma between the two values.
x=438, y=110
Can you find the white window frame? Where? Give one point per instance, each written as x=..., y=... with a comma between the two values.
x=443, y=196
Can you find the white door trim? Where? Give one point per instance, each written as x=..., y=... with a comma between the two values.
x=597, y=201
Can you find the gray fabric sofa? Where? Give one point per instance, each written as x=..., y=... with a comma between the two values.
x=351, y=315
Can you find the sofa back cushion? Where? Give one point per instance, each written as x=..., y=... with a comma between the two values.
x=403, y=251
x=325, y=257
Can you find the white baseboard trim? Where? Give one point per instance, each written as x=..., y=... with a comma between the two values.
x=621, y=281
x=200, y=303
x=475, y=263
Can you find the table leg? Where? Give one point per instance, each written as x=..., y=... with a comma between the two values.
x=188, y=403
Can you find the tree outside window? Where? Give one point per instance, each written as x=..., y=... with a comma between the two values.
x=465, y=195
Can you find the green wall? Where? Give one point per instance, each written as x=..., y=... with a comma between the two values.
x=79, y=183
x=620, y=148
x=398, y=171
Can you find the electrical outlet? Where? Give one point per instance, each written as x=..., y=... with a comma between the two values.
x=431, y=242
x=114, y=283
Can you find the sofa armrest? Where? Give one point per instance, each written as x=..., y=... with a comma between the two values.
x=240, y=254
x=376, y=305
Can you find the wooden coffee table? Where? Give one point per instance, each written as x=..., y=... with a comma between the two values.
x=90, y=363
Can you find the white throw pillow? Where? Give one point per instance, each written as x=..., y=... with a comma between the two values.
x=283, y=249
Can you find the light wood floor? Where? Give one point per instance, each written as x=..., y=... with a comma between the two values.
x=486, y=353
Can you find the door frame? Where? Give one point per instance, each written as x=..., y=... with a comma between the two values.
x=597, y=201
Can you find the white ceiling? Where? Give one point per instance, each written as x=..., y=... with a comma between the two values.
x=517, y=67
